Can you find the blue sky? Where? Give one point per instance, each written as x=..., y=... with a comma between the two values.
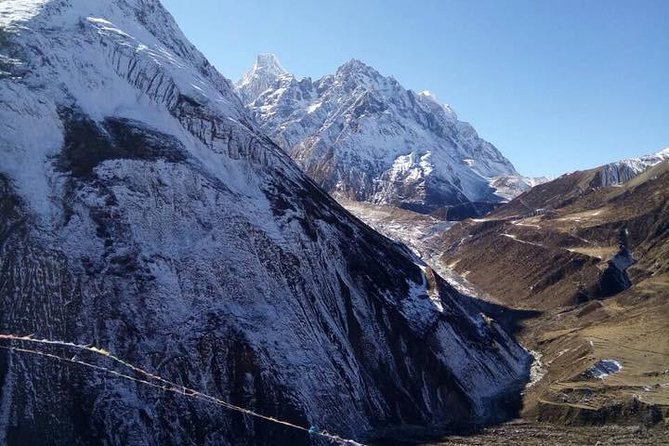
x=556, y=85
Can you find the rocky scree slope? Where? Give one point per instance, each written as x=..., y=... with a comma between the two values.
x=364, y=137
x=144, y=212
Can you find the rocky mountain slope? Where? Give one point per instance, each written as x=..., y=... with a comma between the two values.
x=364, y=137
x=622, y=171
x=572, y=186
x=144, y=212
x=591, y=254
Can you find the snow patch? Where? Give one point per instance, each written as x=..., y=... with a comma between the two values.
x=537, y=370
x=14, y=11
x=604, y=368
x=313, y=107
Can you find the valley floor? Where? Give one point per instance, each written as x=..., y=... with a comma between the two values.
x=544, y=434
x=531, y=433
x=630, y=328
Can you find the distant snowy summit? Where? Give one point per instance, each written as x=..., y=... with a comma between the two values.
x=363, y=136
x=622, y=171
x=261, y=77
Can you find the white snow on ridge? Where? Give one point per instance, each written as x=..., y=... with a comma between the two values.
x=372, y=139
x=618, y=172
x=622, y=171
x=261, y=77
x=510, y=186
x=141, y=60
x=15, y=11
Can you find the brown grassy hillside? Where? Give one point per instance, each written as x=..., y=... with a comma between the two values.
x=548, y=250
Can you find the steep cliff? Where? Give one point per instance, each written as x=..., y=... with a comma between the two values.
x=144, y=212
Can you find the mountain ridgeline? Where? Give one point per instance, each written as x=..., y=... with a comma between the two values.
x=362, y=136
x=145, y=212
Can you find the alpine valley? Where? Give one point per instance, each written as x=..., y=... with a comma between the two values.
x=185, y=260
x=574, y=266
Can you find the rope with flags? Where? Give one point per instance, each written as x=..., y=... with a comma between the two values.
x=148, y=379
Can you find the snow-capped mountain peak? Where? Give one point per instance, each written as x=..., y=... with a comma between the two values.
x=429, y=100
x=646, y=161
x=427, y=94
x=621, y=171
x=269, y=63
x=263, y=75
x=356, y=78
x=357, y=67
x=353, y=130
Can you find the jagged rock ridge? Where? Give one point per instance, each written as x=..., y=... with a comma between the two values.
x=620, y=172
x=363, y=136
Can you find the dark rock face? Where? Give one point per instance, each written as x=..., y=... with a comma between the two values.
x=614, y=278
x=160, y=224
x=88, y=144
x=467, y=210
